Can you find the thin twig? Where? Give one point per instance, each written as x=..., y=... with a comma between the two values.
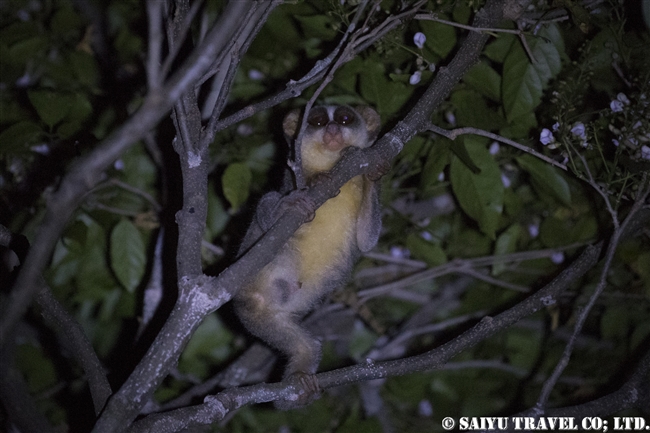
x=431, y=16
x=154, y=15
x=458, y=266
x=548, y=386
x=176, y=38
x=469, y=130
x=296, y=164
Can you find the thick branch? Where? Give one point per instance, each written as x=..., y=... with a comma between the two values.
x=195, y=302
x=216, y=407
x=70, y=332
x=88, y=171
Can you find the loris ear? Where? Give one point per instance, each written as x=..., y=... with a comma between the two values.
x=290, y=123
x=372, y=119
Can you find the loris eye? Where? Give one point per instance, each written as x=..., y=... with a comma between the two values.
x=344, y=116
x=318, y=117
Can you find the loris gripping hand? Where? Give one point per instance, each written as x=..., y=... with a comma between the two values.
x=319, y=257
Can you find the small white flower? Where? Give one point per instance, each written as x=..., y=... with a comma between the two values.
x=41, y=149
x=399, y=252
x=415, y=78
x=645, y=152
x=24, y=81
x=432, y=67
x=449, y=117
x=255, y=75
x=494, y=148
x=419, y=39
x=425, y=408
x=578, y=130
x=557, y=258
x=616, y=106
x=621, y=97
x=23, y=15
x=546, y=137
x=244, y=129
x=505, y=180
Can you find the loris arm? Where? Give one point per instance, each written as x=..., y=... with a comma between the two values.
x=369, y=220
x=264, y=217
x=270, y=207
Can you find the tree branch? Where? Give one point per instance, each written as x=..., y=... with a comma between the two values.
x=216, y=407
x=89, y=170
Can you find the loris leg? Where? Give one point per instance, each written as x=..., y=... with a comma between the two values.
x=304, y=354
x=280, y=329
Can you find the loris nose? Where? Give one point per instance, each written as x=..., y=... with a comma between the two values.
x=332, y=127
x=332, y=138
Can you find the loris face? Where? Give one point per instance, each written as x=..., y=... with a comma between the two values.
x=336, y=127
x=331, y=129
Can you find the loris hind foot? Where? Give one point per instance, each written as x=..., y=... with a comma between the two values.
x=307, y=391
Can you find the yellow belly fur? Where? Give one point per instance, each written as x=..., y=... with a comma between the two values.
x=328, y=238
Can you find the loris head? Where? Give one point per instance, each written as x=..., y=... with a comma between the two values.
x=331, y=128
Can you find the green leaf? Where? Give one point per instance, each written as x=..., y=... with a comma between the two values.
x=217, y=215
x=460, y=151
x=236, y=183
x=38, y=369
x=128, y=258
x=18, y=137
x=209, y=345
x=386, y=95
x=556, y=231
x=51, y=106
x=426, y=251
x=523, y=80
x=546, y=178
x=615, y=323
x=261, y=157
x=66, y=22
x=437, y=160
x=85, y=68
x=79, y=110
x=480, y=195
x=640, y=334
x=485, y=80
x=27, y=50
x=317, y=26
x=361, y=341
x=472, y=110
x=520, y=127
x=94, y=277
x=506, y=243
x=498, y=49
x=441, y=38
x=19, y=31
x=522, y=349
x=139, y=170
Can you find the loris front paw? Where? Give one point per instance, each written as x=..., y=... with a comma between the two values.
x=300, y=200
x=306, y=389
